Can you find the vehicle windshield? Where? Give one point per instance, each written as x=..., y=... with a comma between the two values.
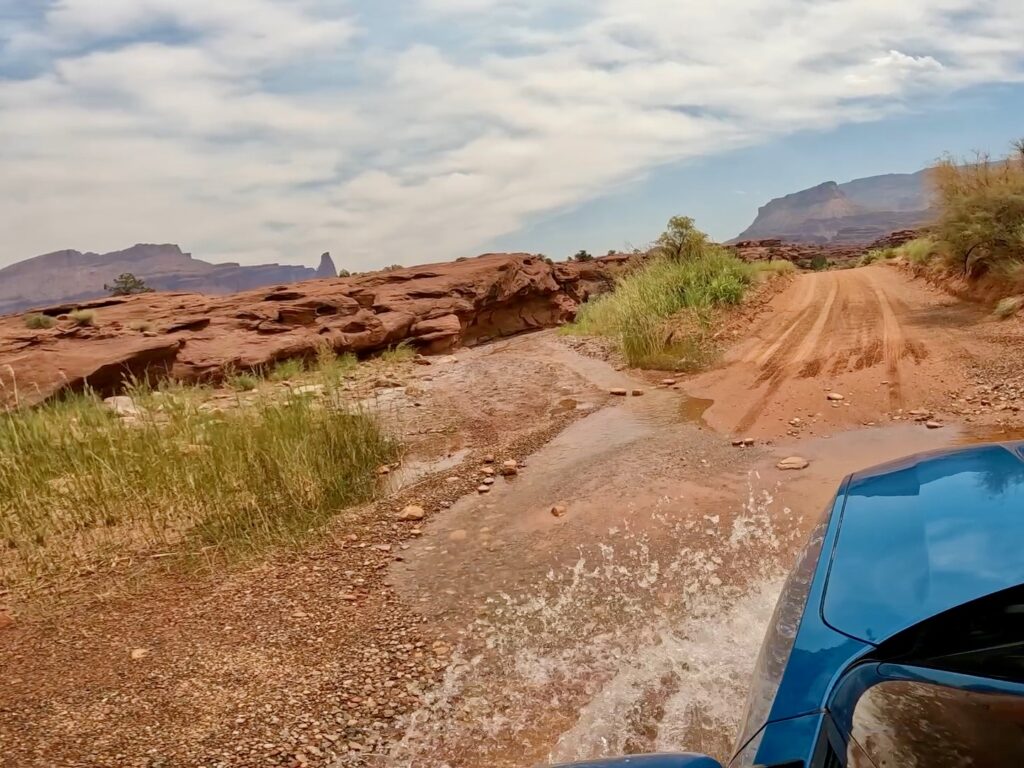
x=778, y=641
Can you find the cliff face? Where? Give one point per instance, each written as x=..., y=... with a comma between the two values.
x=858, y=211
x=191, y=337
x=70, y=276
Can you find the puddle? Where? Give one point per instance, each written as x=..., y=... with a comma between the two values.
x=411, y=472
x=692, y=409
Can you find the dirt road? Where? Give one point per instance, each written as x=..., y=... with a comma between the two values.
x=886, y=343
x=496, y=633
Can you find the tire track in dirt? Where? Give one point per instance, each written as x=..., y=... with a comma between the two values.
x=868, y=333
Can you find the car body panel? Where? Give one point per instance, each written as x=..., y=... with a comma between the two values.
x=832, y=638
x=911, y=546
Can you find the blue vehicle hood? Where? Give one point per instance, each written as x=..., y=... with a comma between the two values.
x=923, y=535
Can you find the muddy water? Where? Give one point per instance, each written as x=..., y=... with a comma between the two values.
x=630, y=624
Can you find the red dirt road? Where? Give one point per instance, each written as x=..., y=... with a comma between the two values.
x=884, y=342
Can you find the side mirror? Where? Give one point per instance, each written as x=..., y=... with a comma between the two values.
x=650, y=761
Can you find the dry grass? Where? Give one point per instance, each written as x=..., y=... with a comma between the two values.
x=140, y=325
x=401, y=353
x=80, y=487
x=1009, y=307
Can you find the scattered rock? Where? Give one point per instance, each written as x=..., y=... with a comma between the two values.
x=489, y=458
x=668, y=382
x=412, y=513
x=934, y=425
x=737, y=442
x=559, y=510
x=483, y=488
x=384, y=470
x=638, y=393
x=835, y=397
x=488, y=471
x=794, y=462
x=488, y=481
x=123, y=405
x=509, y=468
x=618, y=392
x=748, y=441
x=139, y=653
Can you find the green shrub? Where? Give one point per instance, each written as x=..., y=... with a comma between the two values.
x=819, y=262
x=919, y=252
x=79, y=486
x=981, y=212
x=876, y=254
x=83, y=317
x=636, y=313
x=38, y=322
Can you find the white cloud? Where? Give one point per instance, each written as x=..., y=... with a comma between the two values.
x=276, y=129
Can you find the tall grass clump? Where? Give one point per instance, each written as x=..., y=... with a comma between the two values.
x=83, y=318
x=400, y=353
x=80, y=487
x=694, y=277
x=286, y=370
x=332, y=367
x=981, y=213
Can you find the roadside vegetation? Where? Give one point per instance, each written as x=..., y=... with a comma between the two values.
x=660, y=314
x=979, y=234
x=164, y=474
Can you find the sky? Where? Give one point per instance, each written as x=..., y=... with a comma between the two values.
x=410, y=131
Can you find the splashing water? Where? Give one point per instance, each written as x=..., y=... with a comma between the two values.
x=646, y=643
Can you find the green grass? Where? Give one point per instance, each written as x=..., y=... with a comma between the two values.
x=401, y=353
x=286, y=370
x=80, y=488
x=332, y=367
x=83, y=317
x=637, y=312
x=38, y=322
x=242, y=382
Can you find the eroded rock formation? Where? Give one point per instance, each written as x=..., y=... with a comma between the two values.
x=193, y=337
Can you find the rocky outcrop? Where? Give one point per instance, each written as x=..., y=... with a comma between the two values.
x=804, y=255
x=193, y=337
x=326, y=268
x=71, y=276
x=857, y=212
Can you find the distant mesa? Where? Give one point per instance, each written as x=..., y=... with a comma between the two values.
x=859, y=211
x=68, y=276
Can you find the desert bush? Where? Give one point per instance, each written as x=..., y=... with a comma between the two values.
x=918, y=252
x=981, y=212
x=819, y=262
x=79, y=486
x=1009, y=307
x=582, y=256
x=38, y=322
x=333, y=367
x=140, y=325
x=637, y=311
x=82, y=317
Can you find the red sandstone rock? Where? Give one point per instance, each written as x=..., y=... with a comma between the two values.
x=198, y=337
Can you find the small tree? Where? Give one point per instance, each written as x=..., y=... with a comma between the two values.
x=344, y=273
x=582, y=256
x=682, y=240
x=127, y=284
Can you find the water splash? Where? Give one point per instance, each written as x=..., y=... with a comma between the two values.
x=645, y=643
